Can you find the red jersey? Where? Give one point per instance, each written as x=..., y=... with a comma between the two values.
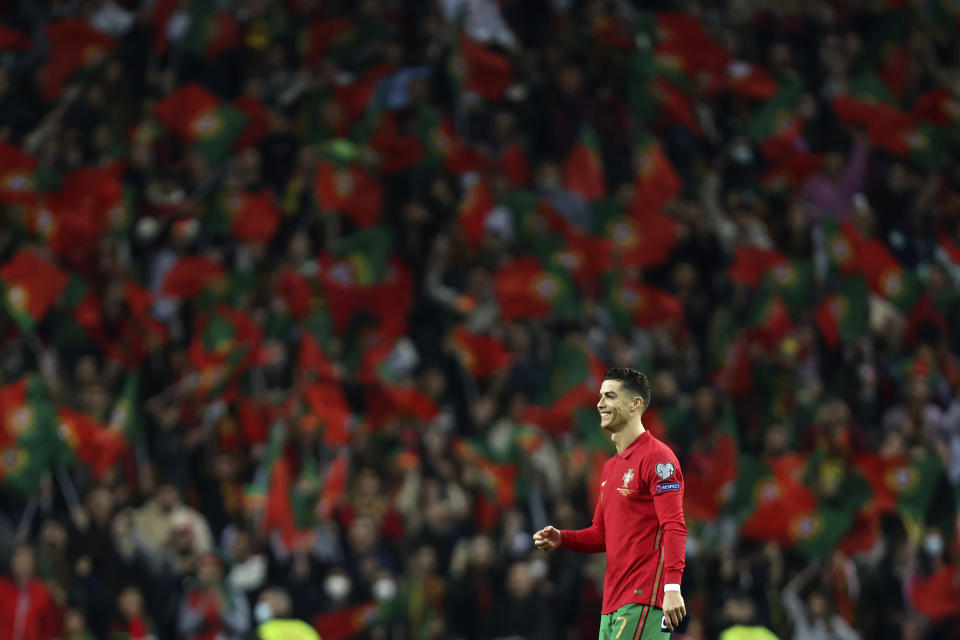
x=639, y=523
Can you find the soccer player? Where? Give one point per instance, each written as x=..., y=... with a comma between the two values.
x=638, y=521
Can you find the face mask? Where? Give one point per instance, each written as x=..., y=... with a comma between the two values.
x=933, y=544
x=262, y=612
x=384, y=589
x=337, y=587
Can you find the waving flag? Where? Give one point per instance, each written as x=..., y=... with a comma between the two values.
x=583, y=168
x=31, y=285
x=525, y=289
x=74, y=45
x=201, y=119
x=27, y=435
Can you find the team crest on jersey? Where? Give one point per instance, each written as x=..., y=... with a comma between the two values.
x=664, y=470
x=628, y=477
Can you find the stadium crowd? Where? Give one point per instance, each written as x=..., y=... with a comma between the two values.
x=306, y=304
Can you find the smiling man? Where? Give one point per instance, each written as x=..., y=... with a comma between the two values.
x=638, y=521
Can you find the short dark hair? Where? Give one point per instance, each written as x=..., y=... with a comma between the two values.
x=633, y=380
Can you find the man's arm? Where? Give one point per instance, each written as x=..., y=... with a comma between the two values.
x=666, y=487
x=589, y=540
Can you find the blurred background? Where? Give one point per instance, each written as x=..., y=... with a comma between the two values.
x=306, y=304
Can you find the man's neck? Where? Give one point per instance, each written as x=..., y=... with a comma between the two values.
x=623, y=438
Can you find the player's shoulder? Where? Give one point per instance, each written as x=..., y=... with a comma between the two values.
x=658, y=450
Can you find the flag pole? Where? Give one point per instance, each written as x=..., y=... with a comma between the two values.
x=26, y=518
x=67, y=488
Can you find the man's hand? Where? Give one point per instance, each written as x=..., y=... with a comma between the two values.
x=673, y=609
x=547, y=539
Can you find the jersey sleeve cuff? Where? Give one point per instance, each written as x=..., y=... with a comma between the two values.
x=671, y=587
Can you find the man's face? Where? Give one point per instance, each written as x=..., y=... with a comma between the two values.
x=616, y=405
x=22, y=564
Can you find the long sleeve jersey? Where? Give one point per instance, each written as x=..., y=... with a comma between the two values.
x=639, y=523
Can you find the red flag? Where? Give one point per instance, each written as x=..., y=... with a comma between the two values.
x=583, y=168
x=16, y=174
x=295, y=290
x=33, y=284
x=255, y=217
x=330, y=408
x=190, y=276
x=353, y=192
x=73, y=44
x=750, y=80
x=656, y=183
x=938, y=107
x=937, y=596
x=751, y=264
x=321, y=35
x=396, y=148
x=345, y=624
x=472, y=213
x=676, y=106
x=514, y=164
x=334, y=485
x=89, y=441
x=313, y=362
x=895, y=69
x=488, y=74
x=12, y=40
x=258, y=122
x=481, y=355
x=186, y=111
x=646, y=306
x=163, y=10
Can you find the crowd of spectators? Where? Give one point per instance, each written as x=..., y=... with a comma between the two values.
x=166, y=544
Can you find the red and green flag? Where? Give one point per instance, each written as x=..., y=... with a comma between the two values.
x=86, y=442
x=190, y=276
x=940, y=108
x=936, y=596
x=257, y=118
x=790, y=170
x=313, y=362
x=844, y=244
x=843, y=314
x=791, y=280
x=75, y=46
x=642, y=239
x=751, y=264
x=710, y=470
x=330, y=411
x=246, y=217
x=351, y=191
x=201, y=119
x=886, y=277
x=226, y=343
x=772, y=503
x=443, y=145
x=525, y=289
x=777, y=126
x=125, y=418
x=472, y=212
x=575, y=374
x=656, y=183
x=210, y=32
x=497, y=480
x=31, y=284
x=637, y=305
x=346, y=623
x=478, y=70
x=359, y=277
x=901, y=484
x=27, y=435
x=583, y=168
x=480, y=355
x=17, y=169
x=515, y=165
x=750, y=80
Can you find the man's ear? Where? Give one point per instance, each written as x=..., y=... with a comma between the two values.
x=638, y=404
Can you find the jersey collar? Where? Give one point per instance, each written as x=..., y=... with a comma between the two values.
x=635, y=445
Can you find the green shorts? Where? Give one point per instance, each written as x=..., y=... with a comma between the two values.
x=633, y=622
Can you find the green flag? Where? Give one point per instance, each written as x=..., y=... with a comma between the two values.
x=28, y=440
